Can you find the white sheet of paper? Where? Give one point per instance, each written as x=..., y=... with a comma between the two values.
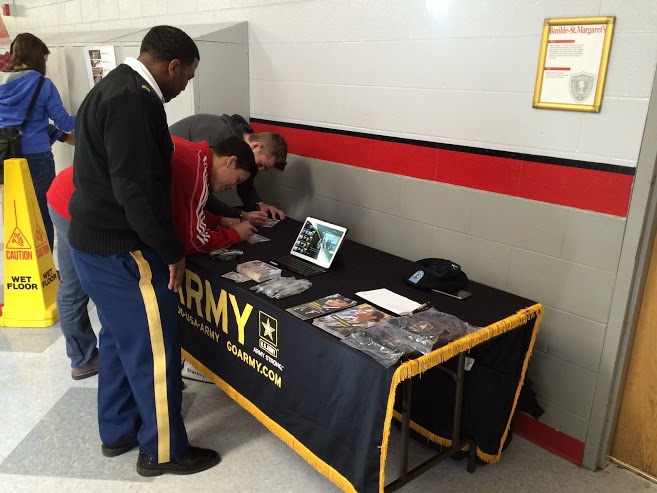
x=256, y=238
x=236, y=276
x=389, y=300
x=270, y=223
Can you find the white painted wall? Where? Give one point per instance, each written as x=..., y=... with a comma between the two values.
x=452, y=71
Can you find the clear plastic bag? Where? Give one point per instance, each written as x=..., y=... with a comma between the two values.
x=295, y=288
x=421, y=331
x=282, y=287
x=363, y=342
x=259, y=288
x=394, y=339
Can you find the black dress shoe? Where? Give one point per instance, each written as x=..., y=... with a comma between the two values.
x=195, y=460
x=120, y=447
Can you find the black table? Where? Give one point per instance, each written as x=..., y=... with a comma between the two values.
x=333, y=404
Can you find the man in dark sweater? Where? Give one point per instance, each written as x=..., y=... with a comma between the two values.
x=125, y=251
x=269, y=150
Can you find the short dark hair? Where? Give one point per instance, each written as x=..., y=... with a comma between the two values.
x=166, y=43
x=28, y=50
x=234, y=146
x=273, y=145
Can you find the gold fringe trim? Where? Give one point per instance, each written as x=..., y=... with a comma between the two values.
x=419, y=365
x=444, y=442
x=321, y=466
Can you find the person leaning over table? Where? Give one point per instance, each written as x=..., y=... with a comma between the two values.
x=198, y=167
x=18, y=84
x=126, y=254
x=269, y=150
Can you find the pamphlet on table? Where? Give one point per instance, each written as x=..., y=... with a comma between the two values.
x=322, y=306
x=343, y=323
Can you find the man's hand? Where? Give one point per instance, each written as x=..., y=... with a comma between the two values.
x=245, y=229
x=176, y=272
x=271, y=210
x=257, y=218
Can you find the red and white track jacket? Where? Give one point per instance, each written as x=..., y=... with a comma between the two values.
x=199, y=231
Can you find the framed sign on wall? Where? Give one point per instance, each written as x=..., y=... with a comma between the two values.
x=572, y=63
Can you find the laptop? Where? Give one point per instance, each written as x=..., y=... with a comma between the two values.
x=314, y=249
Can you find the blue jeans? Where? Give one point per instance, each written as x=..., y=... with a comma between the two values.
x=72, y=302
x=42, y=169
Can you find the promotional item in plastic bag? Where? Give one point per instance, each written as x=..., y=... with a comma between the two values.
x=425, y=329
x=409, y=335
x=282, y=287
x=363, y=342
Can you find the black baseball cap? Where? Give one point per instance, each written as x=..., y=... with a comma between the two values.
x=437, y=273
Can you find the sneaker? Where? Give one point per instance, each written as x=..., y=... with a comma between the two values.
x=120, y=447
x=195, y=460
x=86, y=371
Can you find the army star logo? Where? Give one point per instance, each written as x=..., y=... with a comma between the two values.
x=268, y=329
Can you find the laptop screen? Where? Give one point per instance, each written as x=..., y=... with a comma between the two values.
x=318, y=242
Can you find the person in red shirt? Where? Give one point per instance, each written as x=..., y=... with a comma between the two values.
x=196, y=168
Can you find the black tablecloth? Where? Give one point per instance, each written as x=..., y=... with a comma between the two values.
x=328, y=401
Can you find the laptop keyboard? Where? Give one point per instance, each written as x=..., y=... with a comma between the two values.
x=300, y=266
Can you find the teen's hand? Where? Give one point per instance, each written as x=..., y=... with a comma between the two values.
x=245, y=229
x=257, y=218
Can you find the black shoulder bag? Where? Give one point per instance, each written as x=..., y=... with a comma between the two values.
x=10, y=144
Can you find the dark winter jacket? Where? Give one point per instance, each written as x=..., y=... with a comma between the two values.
x=122, y=170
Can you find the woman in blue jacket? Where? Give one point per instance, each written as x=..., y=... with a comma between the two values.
x=17, y=86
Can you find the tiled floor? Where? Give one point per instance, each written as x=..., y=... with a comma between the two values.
x=49, y=442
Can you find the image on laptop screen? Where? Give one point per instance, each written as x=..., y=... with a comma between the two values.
x=318, y=242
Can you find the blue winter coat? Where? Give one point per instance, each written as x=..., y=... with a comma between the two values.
x=16, y=91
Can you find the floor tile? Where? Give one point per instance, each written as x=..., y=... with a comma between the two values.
x=65, y=443
x=14, y=339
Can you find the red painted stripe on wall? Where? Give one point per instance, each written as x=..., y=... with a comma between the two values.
x=592, y=190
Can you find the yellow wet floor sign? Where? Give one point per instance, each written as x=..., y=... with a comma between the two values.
x=30, y=275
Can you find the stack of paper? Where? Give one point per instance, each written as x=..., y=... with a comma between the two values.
x=390, y=301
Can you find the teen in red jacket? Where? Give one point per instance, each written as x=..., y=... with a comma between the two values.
x=197, y=169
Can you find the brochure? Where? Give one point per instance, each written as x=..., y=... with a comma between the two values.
x=351, y=320
x=322, y=306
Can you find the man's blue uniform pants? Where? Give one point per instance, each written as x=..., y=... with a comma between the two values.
x=139, y=383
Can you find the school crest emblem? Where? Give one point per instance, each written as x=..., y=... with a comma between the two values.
x=581, y=86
